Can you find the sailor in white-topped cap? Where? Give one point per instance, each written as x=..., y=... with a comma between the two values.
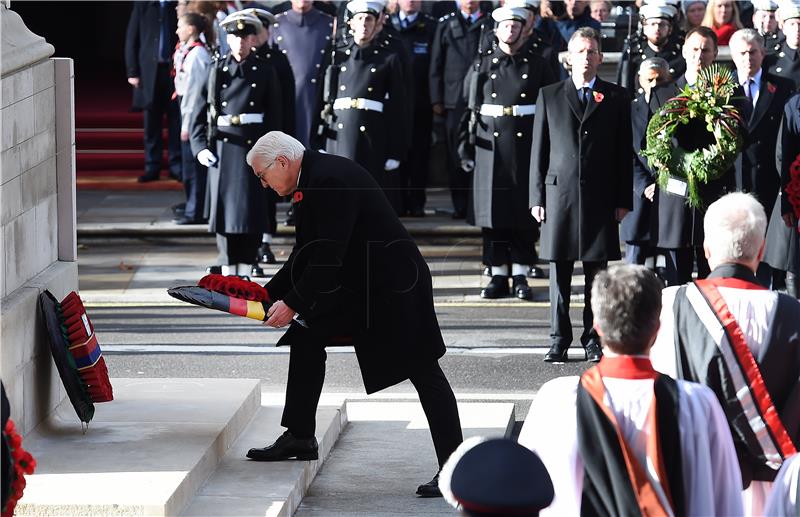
x=766, y=23
x=496, y=146
x=365, y=97
x=656, y=39
x=245, y=102
x=787, y=61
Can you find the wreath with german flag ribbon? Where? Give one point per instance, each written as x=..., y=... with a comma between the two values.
x=793, y=186
x=709, y=101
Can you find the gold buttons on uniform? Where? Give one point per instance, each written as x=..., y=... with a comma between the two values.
x=284, y=51
x=346, y=51
x=493, y=76
x=252, y=85
x=524, y=76
x=496, y=134
x=224, y=103
x=225, y=139
x=519, y=135
x=313, y=81
x=522, y=95
x=341, y=125
x=369, y=88
x=494, y=95
x=373, y=69
x=342, y=87
x=362, y=129
x=782, y=54
x=779, y=70
x=343, y=69
x=224, y=85
x=249, y=142
x=317, y=65
x=279, y=38
x=495, y=60
x=224, y=68
x=252, y=103
x=255, y=68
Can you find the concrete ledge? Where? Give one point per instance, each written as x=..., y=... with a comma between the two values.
x=145, y=453
x=244, y=487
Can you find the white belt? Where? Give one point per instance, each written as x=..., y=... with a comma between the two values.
x=518, y=110
x=346, y=103
x=240, y=120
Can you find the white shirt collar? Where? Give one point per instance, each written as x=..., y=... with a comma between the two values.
x=580, y=84
x=756, y=80
x=410, y=17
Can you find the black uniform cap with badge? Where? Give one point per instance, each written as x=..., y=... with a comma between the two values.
x=241, y=24
x=496, y=477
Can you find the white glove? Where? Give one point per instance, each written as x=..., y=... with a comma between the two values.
x=468, y=165
x=391, y=165
x=206, y=157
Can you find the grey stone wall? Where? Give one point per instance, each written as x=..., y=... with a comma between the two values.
x=37, y=219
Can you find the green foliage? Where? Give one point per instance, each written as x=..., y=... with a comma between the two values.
x=708, y=101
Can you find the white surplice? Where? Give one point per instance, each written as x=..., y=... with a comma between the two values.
x=712, y=482
x=784, y=498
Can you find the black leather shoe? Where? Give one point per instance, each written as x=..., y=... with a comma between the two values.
x=497, y=288
x=536, y=272
x=266, y=255
x=521, y=288
x=593, y=351
x=214, y=270
x=287, y=447
x=257, y=272
x=556, y=354
x=146, y=178
x=431, y=488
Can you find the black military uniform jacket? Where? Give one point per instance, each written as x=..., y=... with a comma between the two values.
x=773, y=42
x=536, y=43
x=272, y=54
x=238, y=201
x=755, y=169
x=455, y=48
x=635, y=50
x=581, y=170
x=501, y=145
x=786, y=63
x=368, y=136
x=356, y=272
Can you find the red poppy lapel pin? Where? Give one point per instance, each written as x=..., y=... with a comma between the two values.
x=297, y=196
x=598, y=97
x=771, y=87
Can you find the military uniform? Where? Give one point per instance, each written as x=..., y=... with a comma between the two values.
x=303, y=39
x=417, y=38
x=772, y=43
x=786, y=63
x=502, y=95
x=365, y=87
x=242, y=101
x=635, y=50
x=455, y=48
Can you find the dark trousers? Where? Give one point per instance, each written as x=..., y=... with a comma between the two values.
x=680, y=263
x=162, y=105
x=504, y=246
x=560, y=289
x=415, y=168
x=637, y=254
x=458, y=178
x=194, y=177
x=304, y=386
x=238, y=248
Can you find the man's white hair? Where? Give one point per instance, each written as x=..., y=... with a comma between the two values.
x=746, y=36
x=274, y=144
x=735, y=226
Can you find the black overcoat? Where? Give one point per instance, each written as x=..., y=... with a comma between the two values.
x=755, y=169
x=141, y=47
x=354, y=261
x=581, y=170
x=238, y=202
x=502, y=149
x=635, y=228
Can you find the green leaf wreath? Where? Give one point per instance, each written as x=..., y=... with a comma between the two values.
x=708, y=100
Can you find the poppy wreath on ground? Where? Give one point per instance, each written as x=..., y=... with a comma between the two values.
x=793, y=186
x=235, y=287
x=23, y=463
x=708, y=101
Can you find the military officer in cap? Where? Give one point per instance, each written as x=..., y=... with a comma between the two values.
x=241, y=101
x=765, y=22
x=656, y=39
x=365, y=96
x=276, y=58
x=533, y=38
x=496, y=142
x=787, y=62
x=416, y=31
x=302, y=34
x=455, y=48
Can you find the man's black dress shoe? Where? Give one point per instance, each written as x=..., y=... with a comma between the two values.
x=431, y=488
x=497, y=288
x=214, y=270
x=593, y=351
x=556, y=354
x=265, y=254
x=257, y=272
x=536, y=272
x=287, y=447
x=146, y=178
x=521, y=288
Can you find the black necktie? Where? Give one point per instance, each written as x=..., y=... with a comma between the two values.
x=585, y=91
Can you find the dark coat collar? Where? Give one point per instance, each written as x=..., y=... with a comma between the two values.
x=737, y=271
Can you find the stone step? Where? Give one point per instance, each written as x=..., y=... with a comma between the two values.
x=384, y=453
x=145, y=453
x=243, y=487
